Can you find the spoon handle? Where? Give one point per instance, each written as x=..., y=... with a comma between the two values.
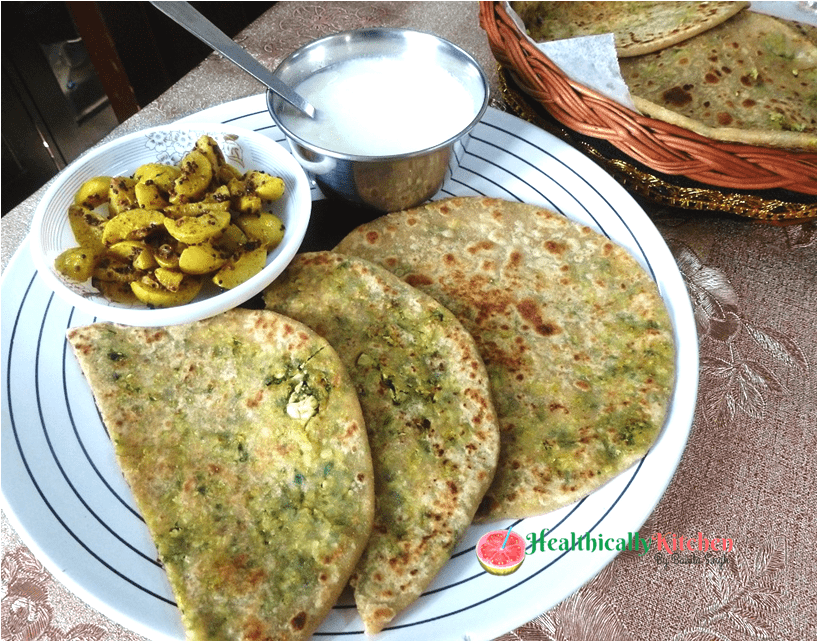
x=189, y=18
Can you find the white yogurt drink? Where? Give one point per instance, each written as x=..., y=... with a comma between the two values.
x=382, y=107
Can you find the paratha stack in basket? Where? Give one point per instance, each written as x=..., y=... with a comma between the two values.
x=573, y=332
x=638, y=27
x=714, y=68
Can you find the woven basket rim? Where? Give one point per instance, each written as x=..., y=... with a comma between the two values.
x=664, y=147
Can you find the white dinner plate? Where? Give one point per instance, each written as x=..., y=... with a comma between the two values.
x=67, y=499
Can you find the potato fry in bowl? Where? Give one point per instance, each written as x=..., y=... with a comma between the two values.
x=172, y=224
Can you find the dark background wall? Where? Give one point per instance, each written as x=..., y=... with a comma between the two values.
x=72, y=71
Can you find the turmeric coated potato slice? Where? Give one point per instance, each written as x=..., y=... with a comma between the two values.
x=265, y=227
x=113, y=269
x=167, y=254
x=158, y=174
x=237, y=272
x=198, y=229
x=265, y=186
x=87, y=226
x=211, y=150
x=169, y=279
x=148, y=195
x=195, y=209
x=200, y=259
x=154, y=294
x=138, y=253
x=133, y=225
x=93, y=192
x=227, y=173
x=77, y=263
x=116, y=291
x=122, y=195
x=194, y=180
x=232, y=240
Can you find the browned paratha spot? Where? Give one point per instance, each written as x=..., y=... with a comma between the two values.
x=322, y=259
x=83, y=348
x=724, y=118
x=418, y=280
x=401, y=559
x=299, y=621
x=155, y=336
x=255, y=400
x=253, y=629
x=711, y=79
x=411, y=221
x=749, y=81
x=383, y=614
x=556, y=247
x=481, y=245
x=528, y=310
x=372, y=237
x=255, y=577
x=677, y=96
x=449, y=259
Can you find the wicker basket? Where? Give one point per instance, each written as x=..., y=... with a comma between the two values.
x=658, y=146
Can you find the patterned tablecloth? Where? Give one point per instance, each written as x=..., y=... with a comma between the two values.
x=748, y=472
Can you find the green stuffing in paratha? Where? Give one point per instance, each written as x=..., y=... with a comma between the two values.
x=750, y=80
x=638, y=27
x=427, y=405
x=573, y=332
x=242, y=440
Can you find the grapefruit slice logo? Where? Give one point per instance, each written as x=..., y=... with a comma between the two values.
x=501, y=552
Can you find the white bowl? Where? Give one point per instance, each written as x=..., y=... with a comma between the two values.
x=244, y=149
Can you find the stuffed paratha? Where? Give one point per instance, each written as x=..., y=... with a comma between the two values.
x=243, y=442
x=574, y=334
x=638, y=27
x=427, y=406
x=750, y=80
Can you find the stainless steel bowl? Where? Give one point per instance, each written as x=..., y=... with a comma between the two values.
x=386, y=183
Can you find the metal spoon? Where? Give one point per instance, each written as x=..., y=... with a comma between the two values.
x=189, y=18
